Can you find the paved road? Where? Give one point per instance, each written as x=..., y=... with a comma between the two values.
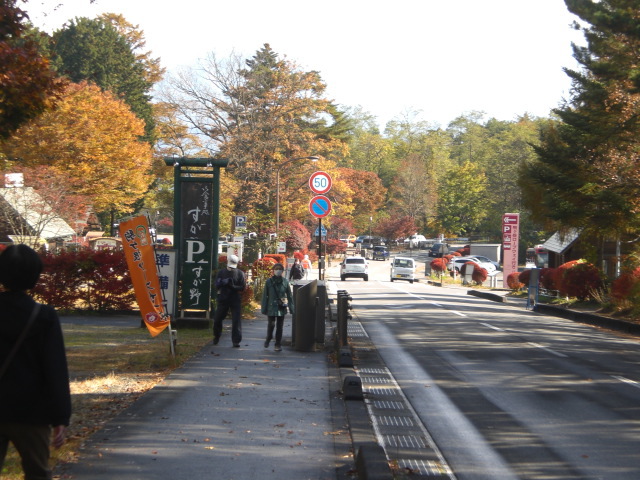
x=507, y=393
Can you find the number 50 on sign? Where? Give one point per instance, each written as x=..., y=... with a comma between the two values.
x=320, y=183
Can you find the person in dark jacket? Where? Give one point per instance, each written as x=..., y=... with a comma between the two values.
x=297, y=272
x=276, y=300
x=35, y=400
x=230, y=283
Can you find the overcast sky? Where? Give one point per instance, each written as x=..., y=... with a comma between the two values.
x=444, y=58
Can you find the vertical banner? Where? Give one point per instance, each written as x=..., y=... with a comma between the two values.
x=510, y=239
x=141, y=260
x=166, y=263
x=196, y=221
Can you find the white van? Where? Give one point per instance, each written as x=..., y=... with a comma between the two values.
x=416, y=241
x=403, y=268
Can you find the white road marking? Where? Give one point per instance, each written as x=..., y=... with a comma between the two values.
x=546, y=349
x=627, y=381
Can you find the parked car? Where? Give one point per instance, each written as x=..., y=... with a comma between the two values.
x=347, y=241
x=403, y=268
x=380, y=253
x=354, y=267
x=486, y=260
x=416, y=241
x=458, y=262
x=435, y=250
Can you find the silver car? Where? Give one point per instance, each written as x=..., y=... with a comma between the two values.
x=457, y=263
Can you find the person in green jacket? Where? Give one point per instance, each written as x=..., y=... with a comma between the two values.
x=276, y=300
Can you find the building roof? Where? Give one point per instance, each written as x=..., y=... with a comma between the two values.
x=36, y=213
x=560, y=242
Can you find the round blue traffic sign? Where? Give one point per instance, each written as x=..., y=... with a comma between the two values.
x=320, y=206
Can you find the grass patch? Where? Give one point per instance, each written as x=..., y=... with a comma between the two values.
x=110, y=368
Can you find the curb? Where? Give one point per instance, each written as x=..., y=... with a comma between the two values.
x=568, y=314
x=588, y=318
x=489, y=296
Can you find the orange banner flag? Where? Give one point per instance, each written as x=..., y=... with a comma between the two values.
x=141, y=259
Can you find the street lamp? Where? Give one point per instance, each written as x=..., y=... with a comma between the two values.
x=313, y=158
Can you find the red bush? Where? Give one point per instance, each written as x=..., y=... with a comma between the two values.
x=465, y=251
x=61, y=281
x=439, y=265
x=578, y=279
x=513, y=281
x=626, y=285
x=524, y=277
x=479, y=274
x=108, y=281
x=278, y=257
x=547, y=278
x=558, y=277
x=95, y=280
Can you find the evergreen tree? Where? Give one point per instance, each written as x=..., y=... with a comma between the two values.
x=95, y=51
x=586, y=175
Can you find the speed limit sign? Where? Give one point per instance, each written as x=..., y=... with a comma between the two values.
x=320, y=183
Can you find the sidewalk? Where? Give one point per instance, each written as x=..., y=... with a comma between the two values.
x=229, y=414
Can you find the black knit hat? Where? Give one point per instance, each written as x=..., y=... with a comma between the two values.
x=278, y=266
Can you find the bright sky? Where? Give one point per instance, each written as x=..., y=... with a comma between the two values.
x=443, y=58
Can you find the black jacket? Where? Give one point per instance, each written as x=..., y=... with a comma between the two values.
x=35, y=387
x=230, y=283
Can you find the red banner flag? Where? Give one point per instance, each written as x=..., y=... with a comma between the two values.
x=141, y=259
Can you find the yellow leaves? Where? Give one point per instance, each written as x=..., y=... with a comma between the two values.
x=93, y=137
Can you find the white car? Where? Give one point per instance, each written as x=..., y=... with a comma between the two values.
x=486, y=260
x=354, y=267
x=458, y=262
x=403, y=268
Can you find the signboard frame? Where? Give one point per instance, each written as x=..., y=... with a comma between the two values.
x=320, y=182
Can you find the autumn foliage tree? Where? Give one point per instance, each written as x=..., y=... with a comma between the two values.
x=295, y=234
x=396, y=227
x=259, y=113
x=93, y=139
x=28, y=84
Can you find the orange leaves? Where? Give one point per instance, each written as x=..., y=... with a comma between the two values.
x=93, y=138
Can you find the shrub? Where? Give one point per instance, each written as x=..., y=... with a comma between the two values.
x=479, y=274
x=626, y=286
x=547, y=278
x=524, y=277
x=465, y=251
x=278, y=257
x=61, y=281
x=579, y=279
x=439, y=265
x=108, y=282
x=558, y=277
x=95, y=280
x=513, y=281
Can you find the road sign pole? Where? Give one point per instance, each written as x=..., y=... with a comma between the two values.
x=320, y=249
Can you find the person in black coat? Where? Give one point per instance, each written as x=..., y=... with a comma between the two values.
x=230, y=283
x=34, y=382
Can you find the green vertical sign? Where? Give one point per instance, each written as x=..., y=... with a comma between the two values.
x=196, y=224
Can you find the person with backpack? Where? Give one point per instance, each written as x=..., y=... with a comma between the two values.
x=297, y=272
